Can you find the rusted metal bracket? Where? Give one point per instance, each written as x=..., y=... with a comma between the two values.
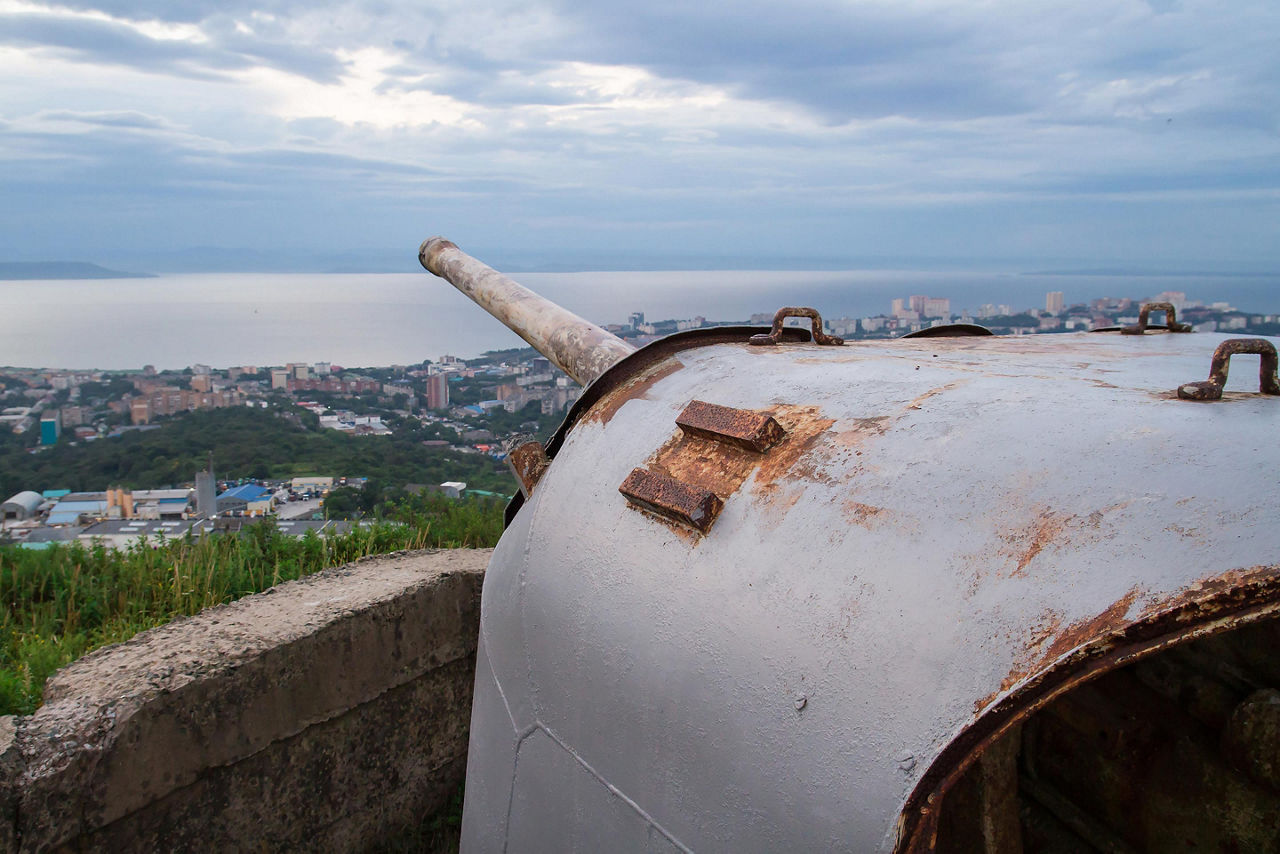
x=754, y=431
x=668, y=497
x=728, y=442
x=775, y=335
x=528, y=461
x=1211, y=389
x=1170, y=314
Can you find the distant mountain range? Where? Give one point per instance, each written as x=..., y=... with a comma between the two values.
x=212, y=259
x=1137, y=272
x=11, y=270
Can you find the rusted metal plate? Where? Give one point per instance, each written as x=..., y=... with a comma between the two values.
x=754, y=431
x=954, y=532
x=668, y=497
x=528, y=462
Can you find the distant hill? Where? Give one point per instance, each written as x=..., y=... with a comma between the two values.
x=10, y=270
x=1135, y=272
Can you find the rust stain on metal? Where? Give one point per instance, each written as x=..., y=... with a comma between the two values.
x=709, y=465
x=1019, y=544
x=862, y=514
x=720, y=468
x=1039, y=636
x=1235, y=584
x=1045, y=530
x=745, y=428
x=1185, y=533
x=859, y=430
x=704, y=463
x=805, y=426
x=1051, y=640
x=633, y=389
x=1085, y=631
x=666, y=496
x=528, y=461
x=915, y=404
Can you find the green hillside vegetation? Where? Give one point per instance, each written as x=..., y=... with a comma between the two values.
x=245, y=443
x=58, y=604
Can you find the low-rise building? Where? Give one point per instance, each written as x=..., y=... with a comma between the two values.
x=125, y=533
x=45, y=537
x=453, y=488
x=75, y=508
x=311, y=483
x=21, y=507
x=162, y=504
x=249, y=499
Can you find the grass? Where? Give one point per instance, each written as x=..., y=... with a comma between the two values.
x=60, y=603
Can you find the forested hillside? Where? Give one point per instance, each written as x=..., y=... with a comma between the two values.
x=245, y=443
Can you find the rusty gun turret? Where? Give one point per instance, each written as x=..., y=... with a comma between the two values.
x=928, y=594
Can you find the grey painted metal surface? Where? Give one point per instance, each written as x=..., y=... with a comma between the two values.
x=578, y=347
x=952, y=531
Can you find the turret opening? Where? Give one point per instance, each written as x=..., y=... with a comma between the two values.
x=1179, y=751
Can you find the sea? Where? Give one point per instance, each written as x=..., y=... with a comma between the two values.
x=365, y=320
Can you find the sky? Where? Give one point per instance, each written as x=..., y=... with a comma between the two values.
x=1080, y=134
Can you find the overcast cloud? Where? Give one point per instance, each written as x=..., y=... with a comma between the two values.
x=1089, y=131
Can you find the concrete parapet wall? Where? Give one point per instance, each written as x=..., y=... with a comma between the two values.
x=328, y=713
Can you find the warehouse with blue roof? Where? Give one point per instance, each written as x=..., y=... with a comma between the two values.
x=248, y=499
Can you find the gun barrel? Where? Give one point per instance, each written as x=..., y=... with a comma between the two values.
x=576, y=346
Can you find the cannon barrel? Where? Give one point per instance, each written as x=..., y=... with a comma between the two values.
x=576, y=346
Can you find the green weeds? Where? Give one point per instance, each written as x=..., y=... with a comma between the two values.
x=58, y=604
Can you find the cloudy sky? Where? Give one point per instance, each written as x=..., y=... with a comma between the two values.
x=1080, y=133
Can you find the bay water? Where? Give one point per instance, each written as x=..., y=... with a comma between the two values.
x=225, y=319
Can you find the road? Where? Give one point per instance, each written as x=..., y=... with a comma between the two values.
x=297, y=509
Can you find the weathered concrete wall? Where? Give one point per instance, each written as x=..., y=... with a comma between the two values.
x=325, y=714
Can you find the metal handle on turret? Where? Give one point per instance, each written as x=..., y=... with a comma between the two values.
x=576, y=346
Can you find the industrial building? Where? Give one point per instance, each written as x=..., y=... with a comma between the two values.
x=123, y=533
x=45, y=537
x=311, y=483
x=169, y=504
x=21, y=507
x=249, y=499
x=74, y=507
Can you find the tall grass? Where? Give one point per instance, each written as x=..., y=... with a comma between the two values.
x=58, y=604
